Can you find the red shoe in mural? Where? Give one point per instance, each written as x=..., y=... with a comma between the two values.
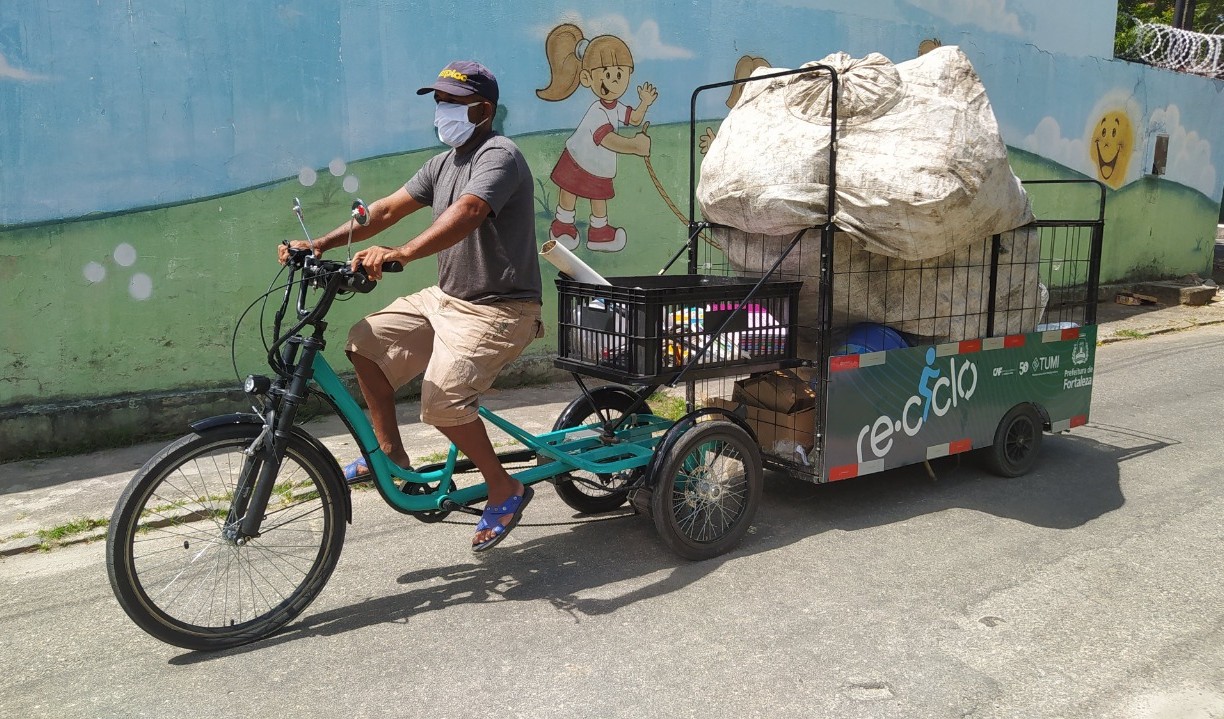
x=606, y=239
x=564, y=234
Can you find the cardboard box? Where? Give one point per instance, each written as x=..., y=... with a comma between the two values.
x=781, y=391
x=775, y=430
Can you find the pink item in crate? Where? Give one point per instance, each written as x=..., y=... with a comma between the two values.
x=765, y=336
x=757, y=315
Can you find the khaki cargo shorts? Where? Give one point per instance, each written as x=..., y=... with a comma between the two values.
x=460, y=347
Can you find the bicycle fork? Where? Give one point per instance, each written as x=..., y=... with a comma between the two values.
x=263, y=457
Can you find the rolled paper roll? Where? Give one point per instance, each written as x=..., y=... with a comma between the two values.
x=569, y=263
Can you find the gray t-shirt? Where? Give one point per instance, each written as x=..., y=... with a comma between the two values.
x=499, y=260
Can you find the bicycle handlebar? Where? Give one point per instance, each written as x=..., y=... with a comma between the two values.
x=350, y=281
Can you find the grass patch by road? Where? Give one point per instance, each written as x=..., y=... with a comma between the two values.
x=68, y=529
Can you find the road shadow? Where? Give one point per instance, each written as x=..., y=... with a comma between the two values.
x=579, y=571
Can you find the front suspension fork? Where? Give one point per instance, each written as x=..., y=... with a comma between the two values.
x=264, y=456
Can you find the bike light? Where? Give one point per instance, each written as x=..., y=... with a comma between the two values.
x=256, y=384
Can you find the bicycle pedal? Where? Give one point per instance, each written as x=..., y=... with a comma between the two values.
x=450, y=505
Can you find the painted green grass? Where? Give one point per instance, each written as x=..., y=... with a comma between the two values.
x=208, y=259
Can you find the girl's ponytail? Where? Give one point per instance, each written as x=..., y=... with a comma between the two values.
x=564, y=64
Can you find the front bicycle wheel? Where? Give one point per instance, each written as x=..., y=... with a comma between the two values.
x=178, y=569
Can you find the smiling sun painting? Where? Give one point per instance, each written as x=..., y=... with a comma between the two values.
x=1110, y=146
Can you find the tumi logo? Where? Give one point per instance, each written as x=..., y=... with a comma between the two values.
x=936, y=393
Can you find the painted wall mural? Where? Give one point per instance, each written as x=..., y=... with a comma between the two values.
x=587, y=166
x=152, y=151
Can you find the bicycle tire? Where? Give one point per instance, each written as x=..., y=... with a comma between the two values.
x=179, y=579
x=707, y=489
x=584, y=497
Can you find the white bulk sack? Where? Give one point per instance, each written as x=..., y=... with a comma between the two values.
x=921, y=167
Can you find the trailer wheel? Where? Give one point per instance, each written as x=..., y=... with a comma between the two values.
x=706, y=490
x=1016, y=442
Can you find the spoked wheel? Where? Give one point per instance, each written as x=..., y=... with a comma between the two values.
x=177, y=568
x=706, y=490
x=1016, y=442
x=599, y=492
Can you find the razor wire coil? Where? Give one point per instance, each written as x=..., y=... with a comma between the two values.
x=1177, y=49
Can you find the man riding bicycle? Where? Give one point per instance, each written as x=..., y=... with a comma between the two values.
x=485, y=309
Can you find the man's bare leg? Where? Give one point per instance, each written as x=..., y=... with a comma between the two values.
x=473, y=440
x=380, y=400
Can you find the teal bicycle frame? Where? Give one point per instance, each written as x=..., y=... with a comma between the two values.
x=602, y=448
x=582, y=449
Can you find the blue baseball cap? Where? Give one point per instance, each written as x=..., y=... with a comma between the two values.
x=465, y=77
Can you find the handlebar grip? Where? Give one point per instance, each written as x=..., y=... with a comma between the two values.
x=359, y=282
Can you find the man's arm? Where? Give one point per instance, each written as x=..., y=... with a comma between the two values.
x=455, y=223
x=383, y=214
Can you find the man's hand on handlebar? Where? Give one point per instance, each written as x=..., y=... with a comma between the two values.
x=282, y=250
x=372, y=260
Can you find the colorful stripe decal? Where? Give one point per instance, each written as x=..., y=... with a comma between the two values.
x=944, y=450
x=958, y=348
x=1063, y=425
x=842, y=363
x=850, y=471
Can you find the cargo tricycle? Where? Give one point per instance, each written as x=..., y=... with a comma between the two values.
x=230, y=532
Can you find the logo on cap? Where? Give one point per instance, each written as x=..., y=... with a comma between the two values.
x=453, y=74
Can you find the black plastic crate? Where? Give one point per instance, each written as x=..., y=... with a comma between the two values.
x=644, y=329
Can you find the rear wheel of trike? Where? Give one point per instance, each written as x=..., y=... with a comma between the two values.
x=706, y=489
x=583, y=491
x=177, y=568
x=1017, y=442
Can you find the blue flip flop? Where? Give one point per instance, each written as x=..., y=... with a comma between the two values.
x=357, y=471
x=491, y=519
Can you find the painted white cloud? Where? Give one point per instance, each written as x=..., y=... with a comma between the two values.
x=1189, y=161
x=991, y=15
x=9, y=72
x=1047, y=140
x=646, y=43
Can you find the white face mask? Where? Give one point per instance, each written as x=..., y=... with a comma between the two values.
x=452, y=122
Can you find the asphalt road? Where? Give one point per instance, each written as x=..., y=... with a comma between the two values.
x=1089, y=588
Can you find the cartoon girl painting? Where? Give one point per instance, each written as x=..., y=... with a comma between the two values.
x=588, y=164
